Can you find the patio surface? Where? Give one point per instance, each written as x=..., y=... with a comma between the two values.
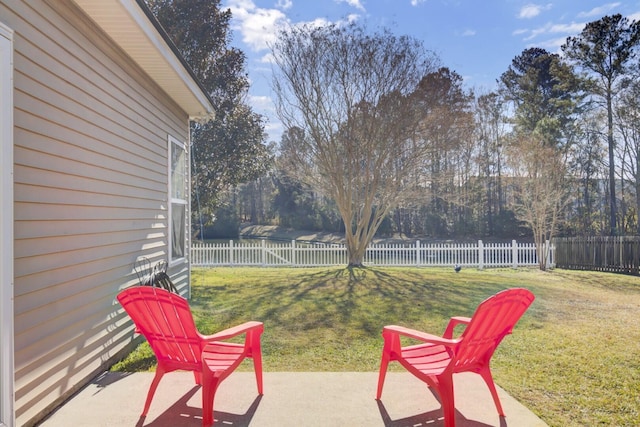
x=309, y=399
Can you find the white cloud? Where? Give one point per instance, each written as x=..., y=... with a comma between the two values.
x=323, y=22
x=572, y=28
x=318, y=22
x=258, y=26
x=532, y=10
x=261, y=102
x=551, y=36
x=468, y=33
x=267, y=58
x=284, y=4
x=568, y=29
x=598, y=11
x=355, y=3
x=417, y=2
x=551, y=45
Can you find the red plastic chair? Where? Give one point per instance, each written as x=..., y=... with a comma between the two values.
x=165, y=320
x=436, y=359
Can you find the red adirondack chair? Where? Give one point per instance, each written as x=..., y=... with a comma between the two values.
x=165, y=320
x=436, y=359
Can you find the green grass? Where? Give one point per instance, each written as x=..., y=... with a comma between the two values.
x=574, y=358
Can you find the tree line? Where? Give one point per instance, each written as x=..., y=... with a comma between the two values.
x=383, y=138
x=553, y=150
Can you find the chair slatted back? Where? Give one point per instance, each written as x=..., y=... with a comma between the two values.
x=165, y=320
x=493, y=320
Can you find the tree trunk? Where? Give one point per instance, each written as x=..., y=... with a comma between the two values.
x=355, y=251
x=613, y=214
x=637, y=191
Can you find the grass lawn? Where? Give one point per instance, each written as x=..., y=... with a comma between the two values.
x=574, y=358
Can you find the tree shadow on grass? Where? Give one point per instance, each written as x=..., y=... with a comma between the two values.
x=351, y=292
x=336, y=297
x=322, y=314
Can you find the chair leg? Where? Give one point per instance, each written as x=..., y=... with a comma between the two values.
x=447, y=400
x=209, y=388
x=384, y=363
x=488, y=378
x=257, y=365
x=152, y=389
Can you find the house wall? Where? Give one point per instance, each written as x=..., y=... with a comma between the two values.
x=90, y=165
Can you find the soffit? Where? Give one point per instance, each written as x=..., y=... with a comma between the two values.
x=128, y=25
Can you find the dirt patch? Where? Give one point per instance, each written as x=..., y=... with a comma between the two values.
x=274, y=232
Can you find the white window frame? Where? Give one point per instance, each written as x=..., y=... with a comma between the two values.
x=7, y=382
x=174, y=142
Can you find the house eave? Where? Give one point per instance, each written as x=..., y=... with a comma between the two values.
x=130, y=24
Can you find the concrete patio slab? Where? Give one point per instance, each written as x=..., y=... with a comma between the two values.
x=293, y=399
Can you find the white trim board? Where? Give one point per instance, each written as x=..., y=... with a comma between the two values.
x=7, y=415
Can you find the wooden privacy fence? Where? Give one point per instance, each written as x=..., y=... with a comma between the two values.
x=296, y=254
x=618, y=254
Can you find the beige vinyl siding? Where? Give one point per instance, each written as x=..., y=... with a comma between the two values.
x=90, y=165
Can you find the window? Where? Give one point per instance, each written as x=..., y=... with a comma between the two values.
x=178, y=186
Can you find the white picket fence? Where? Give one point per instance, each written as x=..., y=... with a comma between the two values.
x=296, y=254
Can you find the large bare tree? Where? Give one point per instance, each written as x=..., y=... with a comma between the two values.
x=540, y=179
x=350, y=93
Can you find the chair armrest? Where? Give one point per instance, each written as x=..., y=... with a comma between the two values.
x=419, y=335
x=453, y=322
x=235, y=331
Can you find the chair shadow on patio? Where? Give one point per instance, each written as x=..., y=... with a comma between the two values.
x=429, y=419
x=182, y=414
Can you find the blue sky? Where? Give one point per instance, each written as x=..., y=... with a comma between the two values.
x=476, y=38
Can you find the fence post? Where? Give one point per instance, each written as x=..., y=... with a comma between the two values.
x=480, y=255
x=418, y=254
x=263, y=252
x=230, y=252
x=193, y=254
x=294, y=255
x=547, y=255
x=514, y=253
